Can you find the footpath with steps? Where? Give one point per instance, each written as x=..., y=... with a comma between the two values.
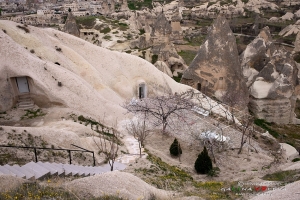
x=134, y=151
x=40, y=170
x=25, y=102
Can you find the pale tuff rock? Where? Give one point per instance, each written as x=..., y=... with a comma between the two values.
x=287, y=16
x=162, y=66
x=291, y=29
x=93, y=80
x=111, y=182
x=216, y=67
x=297, y=43
x=271, y=76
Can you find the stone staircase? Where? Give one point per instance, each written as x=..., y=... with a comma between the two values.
x=40, y=170
x=25, y=102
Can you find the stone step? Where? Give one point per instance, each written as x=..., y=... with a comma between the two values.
x=53, y=169
x=25, y=100
x=14, y=171
x=26, y=107
x=39, y=171
x=58, y=167
x=25, y=103
x=29, y=175
x=70, y=169
x=6, y=171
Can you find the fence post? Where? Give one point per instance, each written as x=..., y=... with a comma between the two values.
x=35, y=155
x=70, y=157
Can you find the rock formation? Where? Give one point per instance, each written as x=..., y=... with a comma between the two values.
x=271, y=76
x=71, y=26
x=216, y=68
x=63, y=70
x=297, y=43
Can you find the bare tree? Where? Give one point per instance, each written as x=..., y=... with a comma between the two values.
x=108, y=144
x=140, y=132
x=160, y=109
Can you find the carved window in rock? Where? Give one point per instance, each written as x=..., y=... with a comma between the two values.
x=142, y=91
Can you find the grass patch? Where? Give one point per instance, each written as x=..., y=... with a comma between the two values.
x=266, y=125
x=285, y=133
x=196, y=40
x=105, y=30
x=164, y=176
x=123, y=26
x=138, y=5
x=86, y=21
x=285, y=176
x=188, y=56
x=30, y=114
x=107, y=37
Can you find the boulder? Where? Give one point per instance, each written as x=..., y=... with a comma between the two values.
x=216, y=69
x=289, y=151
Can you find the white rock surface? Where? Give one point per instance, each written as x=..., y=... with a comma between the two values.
x=115, y=183
x=289, y=151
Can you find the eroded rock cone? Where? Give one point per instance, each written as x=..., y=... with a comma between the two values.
x=216, y=68
x=71, y=26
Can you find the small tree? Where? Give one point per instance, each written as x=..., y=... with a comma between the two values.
x=108, y=144
x=161, y=110
x=140, y=132
x=175, y=148
x=203, y=163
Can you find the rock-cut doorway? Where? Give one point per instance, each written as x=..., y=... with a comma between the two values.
x=22, y=84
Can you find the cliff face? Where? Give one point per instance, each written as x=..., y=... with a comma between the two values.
x=271, y=76
x=71, y=26
x=216, y=68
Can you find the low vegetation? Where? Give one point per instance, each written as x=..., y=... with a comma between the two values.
x=287, y=133
x=86, y=21
x=30, y=114
x=138, y=5
x=34, y=190
x=175, y=149
x=188, y=56
x=164, y=176
x=203, y=163
x=284, y=176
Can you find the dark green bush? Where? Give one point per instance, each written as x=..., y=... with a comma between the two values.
x=203, y=163
x=154, y=59
x=175, y=148
x=142, y=31
x=105, y=30
x=296, y=160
